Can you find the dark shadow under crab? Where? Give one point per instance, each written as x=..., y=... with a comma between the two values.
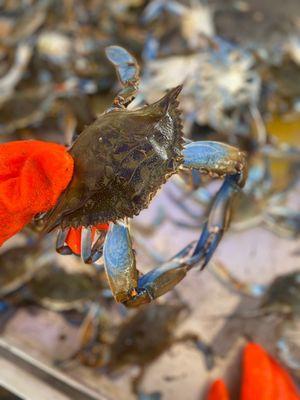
x=121, y=160
x=139, y=340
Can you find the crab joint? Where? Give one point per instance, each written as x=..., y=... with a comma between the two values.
x=161, y=279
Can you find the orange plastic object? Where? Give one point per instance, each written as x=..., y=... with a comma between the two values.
x=33, y=174
x=258, y=380
x=264, y=378
x=218, y=391
x=74, y=237
x=285, y=389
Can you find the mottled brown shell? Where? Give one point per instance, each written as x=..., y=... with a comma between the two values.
x=121, y=160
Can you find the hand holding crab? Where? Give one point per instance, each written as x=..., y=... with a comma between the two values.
x=120, y=161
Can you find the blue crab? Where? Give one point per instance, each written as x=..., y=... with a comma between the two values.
x=121, y=160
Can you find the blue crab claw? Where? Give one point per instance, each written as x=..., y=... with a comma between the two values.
x=162, y=279
x=217, y=160
x=217, y=222
x=119, y=262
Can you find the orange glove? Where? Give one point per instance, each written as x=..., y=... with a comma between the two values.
x=263, y=379
x=285, y=389
x=33, y=174
x=218, y=391
x=257, y=380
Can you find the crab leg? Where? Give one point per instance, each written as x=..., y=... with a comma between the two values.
x=86, y=243
x=97, y=249
x=216, y=159
x=232, y=283
x=217, y=222
x=91, y=252
x=61, y=248
x=128, y=73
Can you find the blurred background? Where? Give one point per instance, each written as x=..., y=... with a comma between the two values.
x=62, y=335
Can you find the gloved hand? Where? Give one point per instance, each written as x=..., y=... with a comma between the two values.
x=263, y=378
x=33, y=174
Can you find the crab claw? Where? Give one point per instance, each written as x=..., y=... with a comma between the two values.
x=127, y=286
x=217, y=222
x=221, y=160
x=162, y=279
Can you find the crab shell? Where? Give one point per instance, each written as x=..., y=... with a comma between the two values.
x=121, y=160
x=55, y=288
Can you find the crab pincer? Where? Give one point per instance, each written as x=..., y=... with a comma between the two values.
x=220, y=160
x=126, y=284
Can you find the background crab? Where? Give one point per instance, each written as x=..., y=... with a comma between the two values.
x=121, y=160
x=138, y=341
x=220, y=84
